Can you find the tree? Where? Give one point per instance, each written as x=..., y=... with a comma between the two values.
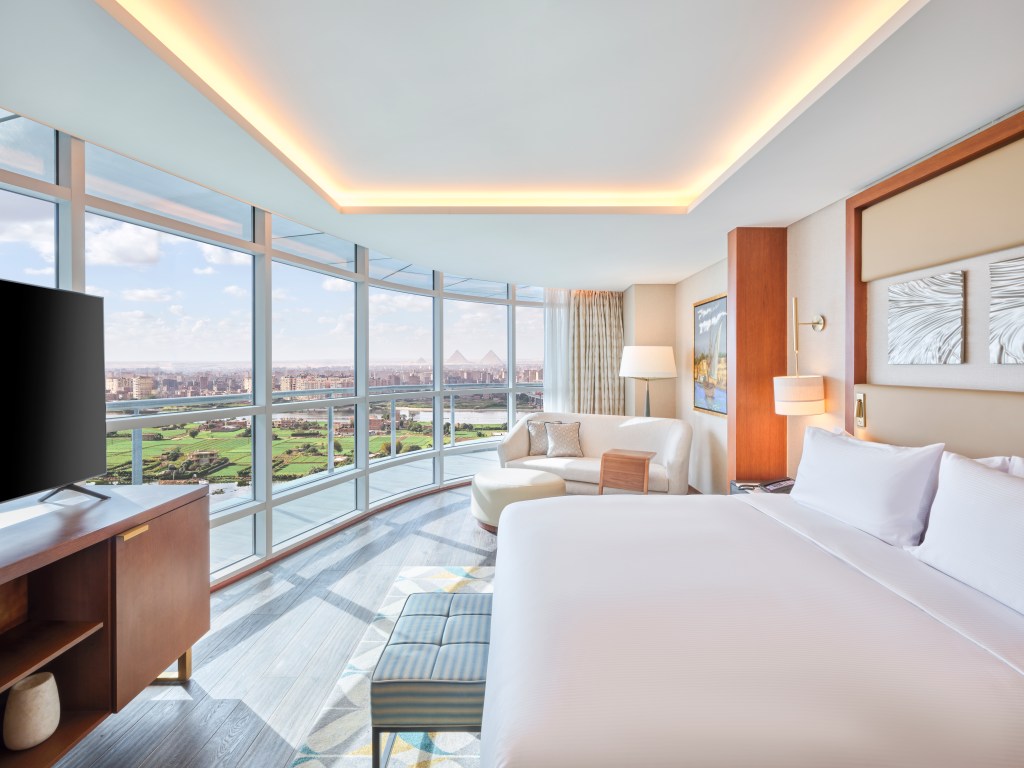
x=193, y=433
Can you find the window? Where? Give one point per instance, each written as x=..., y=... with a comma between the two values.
x=474, y=417
x=312, y=244
x=294, y=518
x=460, y=465
x=27, y=148
x=392, y=481
x=468, y=286
x=529, y=345
x=27, y=239
x=475, y=344
x=217, y=452
x=232, y=542
x=310, y=444
x=313, y=328
x=529, y=293
x=401, y=341
x=113, y=177
x=178, y=315
x=395, y=271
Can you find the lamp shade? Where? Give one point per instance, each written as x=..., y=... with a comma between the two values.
x=799, y=395
x=648, y=363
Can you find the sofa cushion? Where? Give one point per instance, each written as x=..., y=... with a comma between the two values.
x=564, y=439
x=539, y=437
x=584, y=469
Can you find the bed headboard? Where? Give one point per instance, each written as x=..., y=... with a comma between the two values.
x=904, y=222
x=972, y=422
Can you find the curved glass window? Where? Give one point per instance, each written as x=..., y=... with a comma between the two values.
x=475, y=344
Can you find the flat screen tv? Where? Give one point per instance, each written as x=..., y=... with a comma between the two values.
x=52, y=389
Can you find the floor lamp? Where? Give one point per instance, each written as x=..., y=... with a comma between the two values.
x=647, y=363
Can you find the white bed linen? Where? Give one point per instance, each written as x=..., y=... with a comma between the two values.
x=715, y=631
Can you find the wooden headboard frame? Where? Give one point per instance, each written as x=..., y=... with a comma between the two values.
x=999, y=135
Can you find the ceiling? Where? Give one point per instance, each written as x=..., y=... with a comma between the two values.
x=468, y=129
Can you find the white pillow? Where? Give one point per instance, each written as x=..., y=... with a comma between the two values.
x=1017, y=466
x=1001, y=463
x=976, y=530
x=884, y=490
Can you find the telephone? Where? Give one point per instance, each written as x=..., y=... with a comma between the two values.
x=784, y=485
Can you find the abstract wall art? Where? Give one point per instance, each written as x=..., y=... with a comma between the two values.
x=926, y=321
x=1006, y=312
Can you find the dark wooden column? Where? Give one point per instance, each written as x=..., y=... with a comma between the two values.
x=757, y=352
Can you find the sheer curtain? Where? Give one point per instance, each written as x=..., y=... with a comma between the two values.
x=596, y=331
x=557, y=351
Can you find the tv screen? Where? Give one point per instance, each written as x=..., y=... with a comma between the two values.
x=52, y=390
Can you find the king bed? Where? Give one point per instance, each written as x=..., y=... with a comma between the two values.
x=754, y=631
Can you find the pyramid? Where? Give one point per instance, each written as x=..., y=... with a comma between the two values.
x=491, y=359
x=457, y=358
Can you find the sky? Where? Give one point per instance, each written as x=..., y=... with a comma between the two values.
x=169, y=300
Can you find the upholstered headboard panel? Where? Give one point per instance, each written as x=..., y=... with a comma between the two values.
x=972, y=422
x=968, y=211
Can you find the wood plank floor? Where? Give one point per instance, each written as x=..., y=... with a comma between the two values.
x=278, y=642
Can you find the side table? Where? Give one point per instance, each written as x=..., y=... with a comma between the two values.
x=628, y=470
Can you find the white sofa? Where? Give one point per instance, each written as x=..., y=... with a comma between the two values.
x=669, y=438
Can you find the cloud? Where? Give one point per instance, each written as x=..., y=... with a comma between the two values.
x=95, y=290
x=280, y=294
x=204, y=270
x=335, y=285
x=395, y=301
x=40, y=271
x=215, y=255
x=177, y=310
x=115, y=243
x=30, y=222
x=145, y=294
x=236, y=291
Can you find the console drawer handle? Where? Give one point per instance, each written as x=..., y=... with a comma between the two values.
x=136, y=531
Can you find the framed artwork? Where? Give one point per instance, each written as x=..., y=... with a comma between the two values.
x=710, y=355
x=1006, y=312
x=926, y=321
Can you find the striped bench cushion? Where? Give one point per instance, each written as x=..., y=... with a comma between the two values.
x=432, y=670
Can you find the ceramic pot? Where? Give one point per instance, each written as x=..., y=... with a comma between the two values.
x=33, y=711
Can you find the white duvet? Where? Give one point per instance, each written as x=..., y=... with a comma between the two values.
x=707, y=631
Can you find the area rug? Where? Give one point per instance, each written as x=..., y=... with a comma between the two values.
x=341, y=736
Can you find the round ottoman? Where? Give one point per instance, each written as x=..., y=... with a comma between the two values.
x=495, y=489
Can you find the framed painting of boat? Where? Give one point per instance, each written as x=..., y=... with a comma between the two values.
x=710, y=355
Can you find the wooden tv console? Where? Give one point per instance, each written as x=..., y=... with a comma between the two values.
x=104, y=594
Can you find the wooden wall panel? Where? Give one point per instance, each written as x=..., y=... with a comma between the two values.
x=757, y=352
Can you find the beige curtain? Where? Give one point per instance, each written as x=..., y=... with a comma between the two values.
x=596, y=329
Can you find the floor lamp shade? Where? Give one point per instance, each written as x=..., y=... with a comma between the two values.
x=799, y=395
x=647, y=363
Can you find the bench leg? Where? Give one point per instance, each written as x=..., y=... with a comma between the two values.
x=376, y=750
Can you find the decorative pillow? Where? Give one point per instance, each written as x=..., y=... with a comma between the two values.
x=564, y=439
x=976, y=530
x=1017, y=466
x=884, y=490
x=539, y=436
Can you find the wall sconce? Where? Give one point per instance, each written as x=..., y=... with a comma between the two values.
x=800, y=395
x=647, y=363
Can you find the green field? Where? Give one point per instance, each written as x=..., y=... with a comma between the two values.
x=187, y=453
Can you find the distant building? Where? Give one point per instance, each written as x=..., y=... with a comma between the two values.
x=142, y=387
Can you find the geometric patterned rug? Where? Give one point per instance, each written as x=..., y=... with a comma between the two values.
x=341, y=735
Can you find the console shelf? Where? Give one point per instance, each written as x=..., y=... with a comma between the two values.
x=29, y=646
x=74, y=724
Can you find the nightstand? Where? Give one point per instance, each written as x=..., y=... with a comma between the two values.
x=628, y=470
x=742, y=486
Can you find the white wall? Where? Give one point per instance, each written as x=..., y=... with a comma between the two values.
x=816, y=263
x=648, y=319
x=709, y=456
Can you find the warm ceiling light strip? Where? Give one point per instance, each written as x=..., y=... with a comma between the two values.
x=175, y=41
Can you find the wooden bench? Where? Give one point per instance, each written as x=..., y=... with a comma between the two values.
x=431, y=673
